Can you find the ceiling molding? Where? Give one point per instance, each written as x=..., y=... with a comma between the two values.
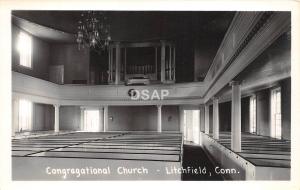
x=265, y=33
x=239, y=29
x=261, y=84
x=43, y=32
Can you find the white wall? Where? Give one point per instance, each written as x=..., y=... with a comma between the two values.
x=46, y=92
x=42, y=117
x=69, y=118
x=76, y=62
x=142, y=118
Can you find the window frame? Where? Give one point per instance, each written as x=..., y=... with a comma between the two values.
x=29, y=107
x=30, y=67
x=253, y=98
x=273, y=127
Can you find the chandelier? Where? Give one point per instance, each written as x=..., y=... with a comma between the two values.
x=93, y=31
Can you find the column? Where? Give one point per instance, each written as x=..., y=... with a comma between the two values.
x=118, y=63
x=181, y=118
x=112, y=64
x=101, y=119
x=174, y=65
x=159, y=127
x=105, y=114
x=108, y=78
x=81, y=118
x=202, y=118
x=170, y=63
x=236, y=117
x=163, y=62
x=109, y=65
x=15, y=115
x=199, y=127
x=56, y=118
x=156, y=63
x=125, y=63
x=189, y=125
x=216, y=118
x=202, y=122
x=206, y=119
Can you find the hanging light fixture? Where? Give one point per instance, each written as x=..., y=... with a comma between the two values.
x=93, y=31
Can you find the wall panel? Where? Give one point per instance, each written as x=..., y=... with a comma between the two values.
x=69, y=118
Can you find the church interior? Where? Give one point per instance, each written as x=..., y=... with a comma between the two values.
x=151, y=95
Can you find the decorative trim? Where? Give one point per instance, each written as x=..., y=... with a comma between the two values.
x=265, y=32
x=237, y=32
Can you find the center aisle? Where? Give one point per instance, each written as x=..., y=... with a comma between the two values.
x=195, y=157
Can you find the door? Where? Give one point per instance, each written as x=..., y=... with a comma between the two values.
x=191, y=125
x=91, y=121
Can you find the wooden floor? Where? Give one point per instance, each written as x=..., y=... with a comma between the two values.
x=124, y=146
x=261, y=150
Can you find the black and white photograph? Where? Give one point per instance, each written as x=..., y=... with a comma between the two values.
x=150, y=95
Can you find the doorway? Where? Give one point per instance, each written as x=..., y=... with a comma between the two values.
x=191, y=125
x=91, y=121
